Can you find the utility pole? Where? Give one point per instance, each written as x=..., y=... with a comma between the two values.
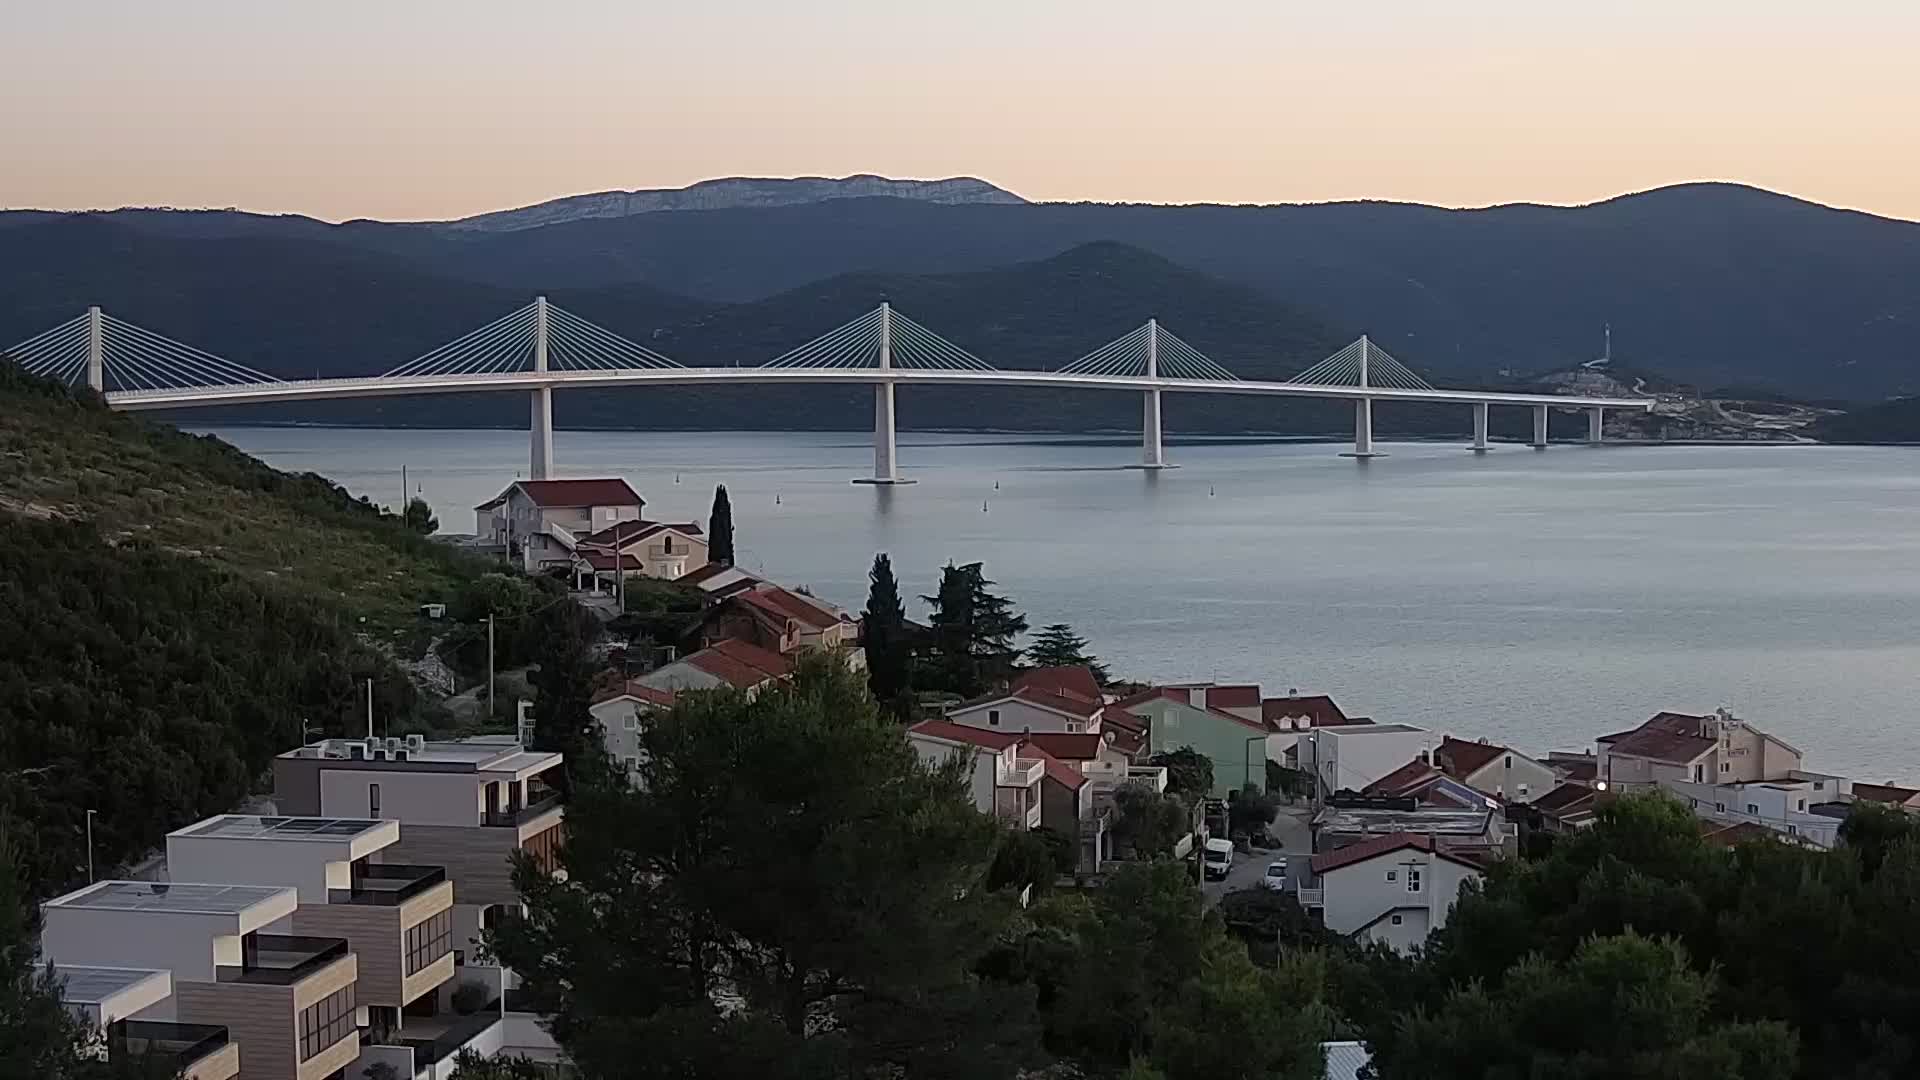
x=369, y=709
x=489, y=665
x=90, y=814
x=620, y=567
x=403, y=492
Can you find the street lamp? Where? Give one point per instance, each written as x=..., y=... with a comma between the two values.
x=90, y=814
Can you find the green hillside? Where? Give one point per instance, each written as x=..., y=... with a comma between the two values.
x=172, y=612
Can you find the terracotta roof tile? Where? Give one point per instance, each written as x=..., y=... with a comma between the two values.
x=1565, y=797
x=1673, y=738
x=962, y=733
x=1319, y=710
x=1885, y=793
x=606, y=491
x=1406, y=777
x=1068, y=746
x=740, y=664
x=632, y=532
x=1075, y=679
x=1382, y=845
x=1233, y=697
x=1460, y=758
x=1057, y=771
x=803, y=610
x=634, y=689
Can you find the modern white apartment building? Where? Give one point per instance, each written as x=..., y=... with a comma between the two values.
x=465, y=806
x=110, y=999
x=289, y=1002
x=397, y=917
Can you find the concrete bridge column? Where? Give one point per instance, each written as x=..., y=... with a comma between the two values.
x=1479, y=427
x=885, y=467
x=96, y=361
x=1362, y=430
x=541, y=466
x=1595, y=416
x=1152, y=453
x=1539, y=427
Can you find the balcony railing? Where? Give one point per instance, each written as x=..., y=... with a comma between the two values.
x=519, y=815
x=283, y=959
x=1025, y=772
x=388, y=884
x=457, y=1035
x=166, y=1049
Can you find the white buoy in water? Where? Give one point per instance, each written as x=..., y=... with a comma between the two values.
x=983, y=506
x=1209, y=489
x=776, y=500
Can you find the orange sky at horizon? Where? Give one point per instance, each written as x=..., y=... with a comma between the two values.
x=437, y=108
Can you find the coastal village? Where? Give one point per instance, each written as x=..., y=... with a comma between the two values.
x=351, y=907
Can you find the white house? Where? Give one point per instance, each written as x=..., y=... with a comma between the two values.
x=545, y=518
x=1790, y=805
x=1353, y=756
x=1004, y=774
x=640, y=548
x=1497, y=770
x=1395, y=889
x=1029, y=708
x=620, y=711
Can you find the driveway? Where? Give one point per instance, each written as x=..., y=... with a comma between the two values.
x=1295, y=845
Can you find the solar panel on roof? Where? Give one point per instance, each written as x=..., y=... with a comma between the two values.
x=93, y=985
x=163, y=896
x=290, y=828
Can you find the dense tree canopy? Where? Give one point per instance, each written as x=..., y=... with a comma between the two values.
x=974, y=630
x=1189, y=772
x=419, y=517
x=1056, y=645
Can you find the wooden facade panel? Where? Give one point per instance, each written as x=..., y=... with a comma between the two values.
x=373, y=933
x=475, y=858
x=261, y=1019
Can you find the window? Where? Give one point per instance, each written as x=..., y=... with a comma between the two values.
x=373, y=800
x=545, y=848
x=1801, y=805
x=428, y=941
x=1073, y=727
x=1396, y=920
x=1413, y=879
x=1752, y=809
x=1523, y=791
x=993, y=717
x=326, y=1022
x=668, y=546
x=632, y=722
x=1819, y=785
x=1726, y=766
x=1793, y=831
x=1393, y=875
x=1719, y=808
x=1509, y=761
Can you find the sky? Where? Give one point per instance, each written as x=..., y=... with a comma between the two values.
x=421, y=109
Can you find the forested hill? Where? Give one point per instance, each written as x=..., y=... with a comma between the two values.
x=171, y=613
x=1714, y=284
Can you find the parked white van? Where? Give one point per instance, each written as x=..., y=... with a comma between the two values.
x=1219, y=858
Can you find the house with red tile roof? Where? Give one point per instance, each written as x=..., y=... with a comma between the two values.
x=1031, y=707
x=620, y=707
x=780, y=620
x=657, y=549
x=541, y=519
x=1236, y=744
x=736, y=664
x=1297, y=711
x=1001, y=763
x=1905, y=798
x=1717, y=748
x=1568, y=807
x=1497, y=770
x=1394, y=889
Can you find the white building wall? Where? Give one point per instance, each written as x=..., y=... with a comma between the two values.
x=605, y=517
x=181, y=943
x=308, y=866
x=981, y=775
x=1014, y=716
x=1354, y=757
x=421, y=798
x=1514, y=777
x=1356, y=895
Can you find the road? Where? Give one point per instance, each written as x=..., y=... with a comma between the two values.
x=1296, y=842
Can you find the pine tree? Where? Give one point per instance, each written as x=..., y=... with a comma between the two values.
x=562, y=682
x=1057, y=645
x=884, y=627
x=973, y=631
x=39, y=1038
x=720, y=529
x=419, y=517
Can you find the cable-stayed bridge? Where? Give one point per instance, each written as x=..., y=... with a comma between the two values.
x=542, y=347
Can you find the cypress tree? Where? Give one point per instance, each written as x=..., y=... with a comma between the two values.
x=720, y=529
x=884, y=626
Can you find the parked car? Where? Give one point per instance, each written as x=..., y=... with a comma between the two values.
x=1276, y=878
x=1219, y=858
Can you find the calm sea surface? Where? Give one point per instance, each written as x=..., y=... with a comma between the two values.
x=1536, y=598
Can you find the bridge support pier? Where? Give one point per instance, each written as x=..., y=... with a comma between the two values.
x=1362, y=430
x=541, y=466
x=96, y=364
x=1152, y=453
x=1539, y=427
x=885, y=469
x=1595, y=417
x=1479, y=428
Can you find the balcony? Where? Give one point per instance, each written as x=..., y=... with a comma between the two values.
x=388, y=884
x=515, y=816
x=458, y=1033
x=282, y=959
x=1098, y=819
x=1025, y=773
x=164, y=1049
